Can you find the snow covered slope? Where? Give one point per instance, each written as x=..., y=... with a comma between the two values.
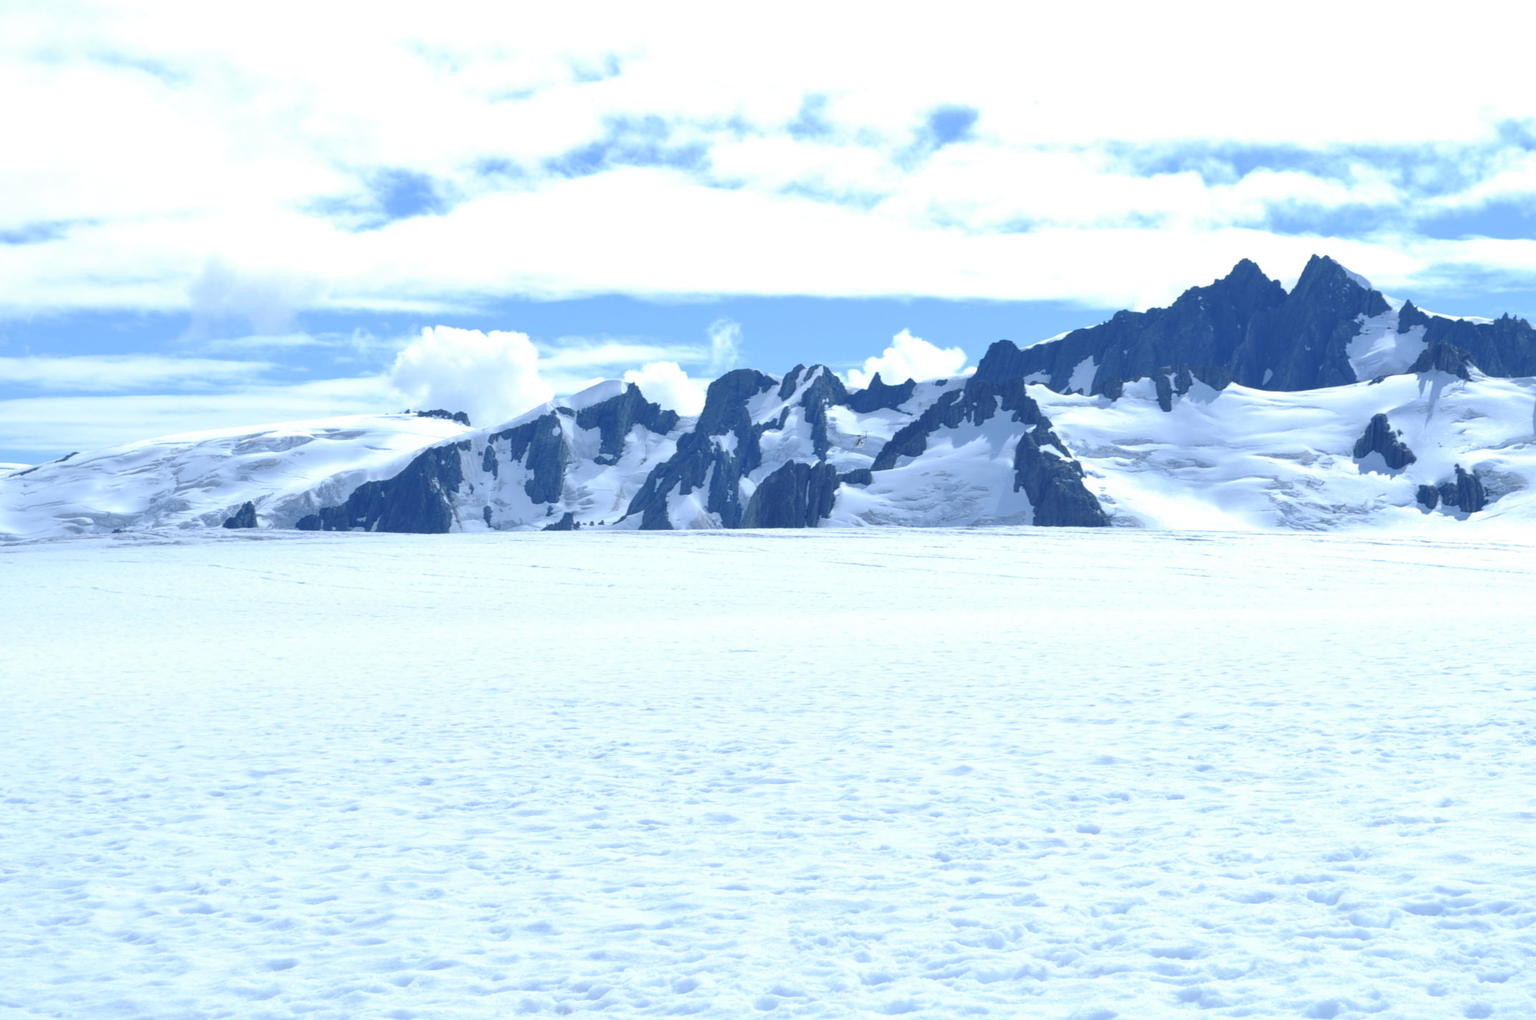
x=1242, y=458
x=199, y=479
x=1006, y=773
x=764, y=452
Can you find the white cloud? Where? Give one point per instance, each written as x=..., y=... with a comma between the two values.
x=667, y=384
x=724, y=346
x=259, y=342
x=238, y=161
x=102, y=373
x=909, y=357
x=492, y=376
x=576, y=352
x=94, y=422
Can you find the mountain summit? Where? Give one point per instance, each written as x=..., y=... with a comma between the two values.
x=1239, y=405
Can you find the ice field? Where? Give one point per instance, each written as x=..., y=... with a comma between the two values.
x=1003, y=772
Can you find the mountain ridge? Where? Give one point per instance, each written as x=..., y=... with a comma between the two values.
x=1030, y=437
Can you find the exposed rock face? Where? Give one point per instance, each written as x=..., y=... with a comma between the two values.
x=723, y=447
x=1440, y=356
x=1243, y=328
x=878, y=395
x=438, y=412
x=1409, y=316
x=858, y=476
x=418, y=500
x=540, y=445
x=245, y=517
x=797, y=495
x=567, y=522
x=1379, y=437
x=614, y=418
x=1465, y=492
x=825, y=390
x=1043, y=469
x=1504, y=347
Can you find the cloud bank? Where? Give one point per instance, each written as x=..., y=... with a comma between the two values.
x=493, y=376
x=909, y=357
x=445, y=161
x=497, y=375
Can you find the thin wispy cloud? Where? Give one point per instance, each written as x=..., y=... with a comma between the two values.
x=116, y=372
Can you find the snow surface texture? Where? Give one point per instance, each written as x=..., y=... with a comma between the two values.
x=1012, y=773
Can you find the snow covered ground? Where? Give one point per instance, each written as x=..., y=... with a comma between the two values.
x=197, y=479
x=1003, y=772
x=1239, y=458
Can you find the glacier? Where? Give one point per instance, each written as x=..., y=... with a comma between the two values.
x=1045, y=772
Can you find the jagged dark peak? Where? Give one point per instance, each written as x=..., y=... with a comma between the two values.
x=725, y=400
x=615, y=416
x=791, y=380
x=1409, y=316
x=1245, y=288
x=1004, y=360
x=1325, y=281
x=1440, y=356
x=822, y=386
x=878, y=395
x=1245, y=269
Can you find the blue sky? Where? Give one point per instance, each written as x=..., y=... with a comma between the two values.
x=202, y=227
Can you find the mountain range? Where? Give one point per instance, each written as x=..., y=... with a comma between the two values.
x=1241, y=405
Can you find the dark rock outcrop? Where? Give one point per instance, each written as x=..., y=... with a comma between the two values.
x=723, y=446
x=418, y=500
x=1379, y=437
x=1409, y=316
x=1440, y=356
x=1505, y=347
x=438, y=412
x=825, y=390
x=878, y=395
x=567, y=522
x=245, y=517
x=540, y=446
x=1043, y=468
x=858, y=476
x=613, y=418
x=796, y=495
x=1465, y=492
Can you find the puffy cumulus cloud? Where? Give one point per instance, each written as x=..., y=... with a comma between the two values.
x=493, y=376
x=667, y=384
x=909, y=357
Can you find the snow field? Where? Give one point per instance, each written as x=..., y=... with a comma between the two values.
x=1005, y=772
